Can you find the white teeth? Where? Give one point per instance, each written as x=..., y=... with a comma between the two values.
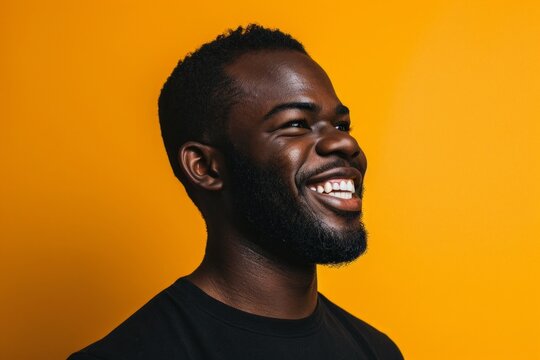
x=341, y=195
x=343, y=189
x=327, y=187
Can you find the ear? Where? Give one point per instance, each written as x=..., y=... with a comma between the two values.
x=202, y=164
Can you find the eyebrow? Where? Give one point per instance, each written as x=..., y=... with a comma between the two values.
x=306, y=106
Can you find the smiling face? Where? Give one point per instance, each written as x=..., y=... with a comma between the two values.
x=296, y=173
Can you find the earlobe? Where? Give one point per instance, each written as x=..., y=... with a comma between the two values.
x=202, y=165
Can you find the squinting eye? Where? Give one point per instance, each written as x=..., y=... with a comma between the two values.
x=302, y=124
x=345, y=126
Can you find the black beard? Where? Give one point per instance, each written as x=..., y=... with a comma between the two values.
x=281, y=227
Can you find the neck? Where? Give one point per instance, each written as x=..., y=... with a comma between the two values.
x=239, y=276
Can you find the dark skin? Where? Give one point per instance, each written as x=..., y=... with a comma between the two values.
x=290, y=116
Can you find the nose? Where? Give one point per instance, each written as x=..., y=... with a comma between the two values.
x=336, y=142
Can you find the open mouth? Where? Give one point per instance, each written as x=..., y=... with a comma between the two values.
x=340, y=188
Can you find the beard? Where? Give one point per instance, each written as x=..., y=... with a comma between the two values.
x=279, y=223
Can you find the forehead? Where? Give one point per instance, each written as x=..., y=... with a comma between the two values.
x=269, y=77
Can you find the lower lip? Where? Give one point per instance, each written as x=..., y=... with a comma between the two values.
x=345, y=205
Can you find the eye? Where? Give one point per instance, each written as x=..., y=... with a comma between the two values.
x=300, y=124
x=343, y=126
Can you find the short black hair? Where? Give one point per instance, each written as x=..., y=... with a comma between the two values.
x=196, y=98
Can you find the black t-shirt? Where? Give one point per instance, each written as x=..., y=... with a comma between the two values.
x=183, y=322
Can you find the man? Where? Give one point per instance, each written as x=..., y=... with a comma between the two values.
x=256, y=134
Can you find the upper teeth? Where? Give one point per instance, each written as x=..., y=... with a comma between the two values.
x=338, y=188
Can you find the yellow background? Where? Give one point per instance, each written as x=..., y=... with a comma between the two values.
x=445, y=99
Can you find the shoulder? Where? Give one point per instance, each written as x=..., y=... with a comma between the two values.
x=83, y=355
x=376, y=340
x=143, y=335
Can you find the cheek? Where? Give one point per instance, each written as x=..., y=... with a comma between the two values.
x=286, y=153
x=291, y=159
x=288, y=156
x=294, y=155
x=285, y=162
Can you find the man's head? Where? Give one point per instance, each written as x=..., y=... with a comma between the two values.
x=196, y=98
x=262, y=135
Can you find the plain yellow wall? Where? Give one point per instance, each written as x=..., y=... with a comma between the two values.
x=445, y=100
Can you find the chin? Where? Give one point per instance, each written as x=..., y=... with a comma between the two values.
x=327, y=246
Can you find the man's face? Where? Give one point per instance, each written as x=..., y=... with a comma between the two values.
x=295, y=172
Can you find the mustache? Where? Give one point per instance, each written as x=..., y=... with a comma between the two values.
x=304, y=176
